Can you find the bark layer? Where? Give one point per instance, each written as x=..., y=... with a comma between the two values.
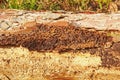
x=43, y=37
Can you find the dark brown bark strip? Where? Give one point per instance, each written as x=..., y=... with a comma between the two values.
x=58, y=38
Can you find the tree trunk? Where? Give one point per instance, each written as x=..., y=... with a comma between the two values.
x=59, y=46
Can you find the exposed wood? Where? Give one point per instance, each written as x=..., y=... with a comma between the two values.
x=44, y=46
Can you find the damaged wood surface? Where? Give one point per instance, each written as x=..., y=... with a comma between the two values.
x=55, y=38
x=93, y=64
x=59, y=45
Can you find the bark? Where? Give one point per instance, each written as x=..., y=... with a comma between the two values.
x=69, y=48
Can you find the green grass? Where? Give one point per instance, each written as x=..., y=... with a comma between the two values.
x=72, y=5
x=103, y=3
x=22, y=4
